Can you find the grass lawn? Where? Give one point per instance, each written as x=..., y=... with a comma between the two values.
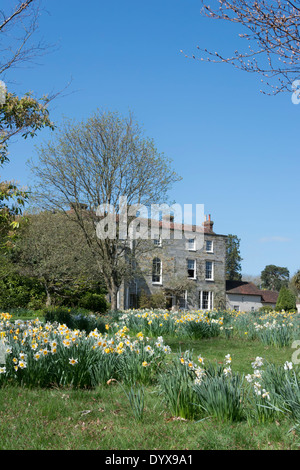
x=102, y=419
x=242, y=351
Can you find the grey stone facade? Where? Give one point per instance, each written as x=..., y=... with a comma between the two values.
x=191, y=274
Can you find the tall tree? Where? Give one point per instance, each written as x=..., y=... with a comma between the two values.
x=50, y=248
x=271, y=30
x=295, y=281
x=98, y=162
x=274, y=277
x=233, y=259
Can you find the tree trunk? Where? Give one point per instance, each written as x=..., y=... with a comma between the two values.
x=113, y=291
x=48, y=300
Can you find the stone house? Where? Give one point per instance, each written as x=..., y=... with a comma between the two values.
x=188, y=267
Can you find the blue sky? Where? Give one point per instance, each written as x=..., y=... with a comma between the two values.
x=236, y=149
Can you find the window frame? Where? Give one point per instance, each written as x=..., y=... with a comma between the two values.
x=192, y=248
x=190, y=269
x=212, y=246
x=154, y=272
x=212, y=271
x=157, y=241
x=210, y=300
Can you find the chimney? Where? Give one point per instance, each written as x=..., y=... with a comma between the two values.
x=208, y=224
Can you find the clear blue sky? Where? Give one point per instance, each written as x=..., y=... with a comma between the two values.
x=236, y=149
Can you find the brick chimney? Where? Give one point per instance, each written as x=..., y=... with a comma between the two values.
x=208, y=224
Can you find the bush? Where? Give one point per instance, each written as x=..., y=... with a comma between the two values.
x=74, y=318
x=157, y=300
x=60, y=315
x=286, y=300
x=266, y=309
x=19, y=291
x=94, y=302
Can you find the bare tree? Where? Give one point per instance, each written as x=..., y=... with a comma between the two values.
x=96, y=163
x=17, y=27
x=271, y=29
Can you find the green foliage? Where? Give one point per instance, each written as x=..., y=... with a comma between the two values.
x=221, y=396
x=274, y=277
x=176, y=389
x=286, y=300
x=74, y=318
x=50, y=249
x=17, y=290
x=295, y=281
x=152, y=301
x=25, y=115
x=233, y=259
x=136, y=398
x=266, y=309
x=94, y=302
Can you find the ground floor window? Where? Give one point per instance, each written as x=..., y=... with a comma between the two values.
x=206, y=300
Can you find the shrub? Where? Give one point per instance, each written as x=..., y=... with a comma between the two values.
x=60, y=315
x=94, y=302
x=153, y=301
x=20, y=291
x=286, y=300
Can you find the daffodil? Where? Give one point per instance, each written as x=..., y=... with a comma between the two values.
x=73, y=361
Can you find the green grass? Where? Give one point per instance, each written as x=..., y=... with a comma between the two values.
x=242, y=351
x=102, y=420
x=66, y=419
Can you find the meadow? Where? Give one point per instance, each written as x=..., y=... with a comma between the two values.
x=151, y=380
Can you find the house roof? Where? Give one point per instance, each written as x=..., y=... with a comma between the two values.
x=269, y=296
x=241, y=287
x=248, y=288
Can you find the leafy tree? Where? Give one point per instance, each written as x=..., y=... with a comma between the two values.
x=295, y=281
x=99, y=162
x=233, y=259
x=272, y=36
x=50, y=249
x=17, y=290
x=286, y=300
x=274, y=277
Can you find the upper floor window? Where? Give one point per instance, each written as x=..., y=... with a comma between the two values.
x=191, y=268
x=209, y=246
x=191, y=244
x=157, y=240
x=209, y=271
x=156, y=271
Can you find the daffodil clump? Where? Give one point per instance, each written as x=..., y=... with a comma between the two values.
x=273, y=328
x=193, y=389
x=53, y=354
x=195, y=324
